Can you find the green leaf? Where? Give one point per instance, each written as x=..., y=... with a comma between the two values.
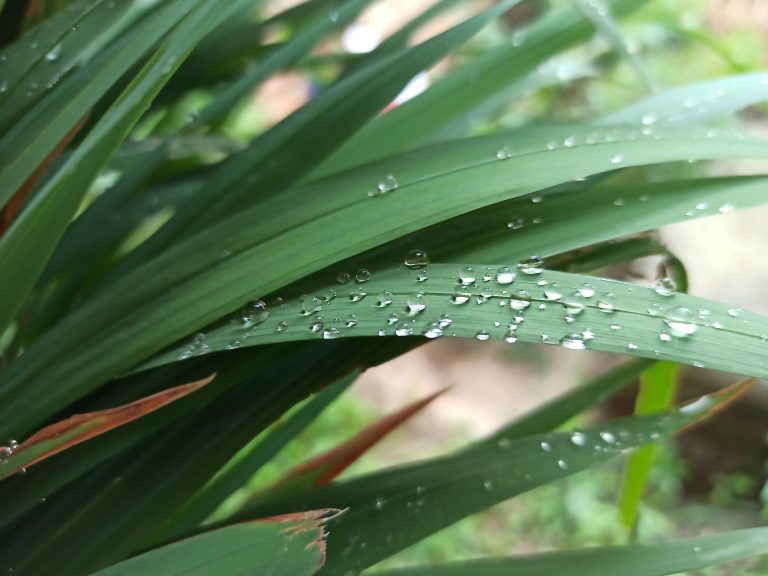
x=27, y=246
x=467, y=88
x=637, y=560
x=237, y=474
x=551, y=308
x=696, y=103
x=292, y=545
x=658, y=386
x=228, y=264
x=557, y=412
x=392, y=509
x=598, y=13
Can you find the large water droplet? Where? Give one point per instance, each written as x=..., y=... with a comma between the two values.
x=404, y=330
x=578, y=439
x=416, y=259
x=574, y=304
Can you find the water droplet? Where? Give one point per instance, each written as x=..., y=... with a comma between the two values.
x=617, y=159
x=648, y=119
x=664, y=286
x=532, y=265
x=416, y=259
x=578, y=439
x=545, y=446
x=467, y=276
x=358, y=294
x=254, y=311
x=404, y=330
x=503, y=153
x=573, y=341
x=607, y=303
x=504, y=443
x=488, y=486
x=385, y=299
x=569, y=142
x=574, y=304
x=482, y=335
x=665, y=337
x=562, y=464
x=586, y=291
x=422, y=276
x=380, y=502
x=433, y=330
x=316, y=326
x=608, y=437
x=632, y=346
x=388, y=184
x=726, y=208
x=351, y=321
x=460, y=297
x=393, y=319
x=681, y=322
x=362, y=275
x=733, y=312
x=331, y=334
x=505, y=275
x=329, y=295
x=344, y=277
x=552, y=294
x=416, y=304
x=516, y=223
x=54, y=53
x=281, y=327
x=519, y=304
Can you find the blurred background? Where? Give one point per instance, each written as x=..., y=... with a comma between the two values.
x=711, y=478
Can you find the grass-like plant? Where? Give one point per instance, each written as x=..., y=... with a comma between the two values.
x=168, y=292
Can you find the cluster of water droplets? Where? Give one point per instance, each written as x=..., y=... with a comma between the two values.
x=7, y=451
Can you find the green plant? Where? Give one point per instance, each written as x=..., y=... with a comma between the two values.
x=144, y=248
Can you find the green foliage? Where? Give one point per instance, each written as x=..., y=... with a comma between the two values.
x=148, y=240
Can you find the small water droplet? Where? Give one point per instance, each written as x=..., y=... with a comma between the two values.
x=488, y=486
x=681, y=322
x=416, y=259
x=573, y=341
x=467, y=276
x=358, y=294
x=254, y=311
x=460, y=297
x=393, y=319
x=545, y=446
x=482, y=335
x=632, y=346
x=422, y=276
x=664, y=286
x=385, y=299
x=351, y=321
x=380, y=502
x=562, y=464
x=54, y=53
x=344, y=278
x=607, y=304
x=362, y=275
x=648, y=119
x=331, y=334
x=281, y=327
x=733, y=312
x=416, y=304
x=531, y=266
x=404, y=330
x=433, y=330
x=608, y=437
x=310, y=305
x=726, y=208
x=516, y=223
x=617, y=159
x=578, y=439
x=503, y=153
x=505, y=275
